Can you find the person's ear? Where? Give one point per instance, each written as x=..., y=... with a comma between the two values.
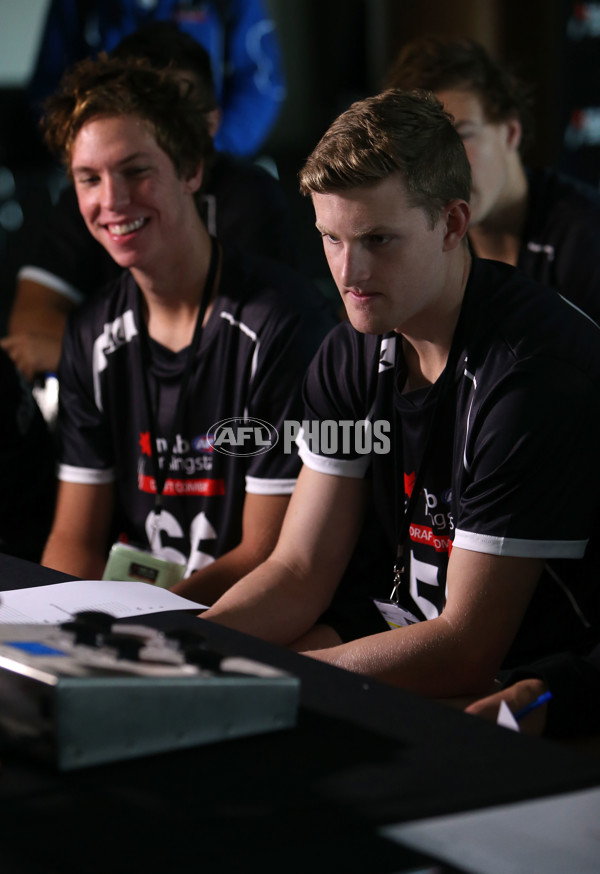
x=194, y=181
x=456, y=216
x=213, y=120
x=514, y=133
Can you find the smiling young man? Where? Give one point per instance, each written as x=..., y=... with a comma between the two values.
x=190, y=334
x=240, y=203
x=545, y=223
x=476, y=512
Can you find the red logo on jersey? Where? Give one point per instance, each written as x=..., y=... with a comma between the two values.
x=194, y=487
x=424, y=534
x=409, y=483
x=144, y=442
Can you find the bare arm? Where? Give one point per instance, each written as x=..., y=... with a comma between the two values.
x=459, y=652
x=284, y=596
x=261, y=524
x=36, y=328
x=78, y=541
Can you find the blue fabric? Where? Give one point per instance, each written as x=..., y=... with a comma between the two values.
x=238, y=35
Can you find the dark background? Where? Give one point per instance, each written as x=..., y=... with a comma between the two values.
x=334, y=51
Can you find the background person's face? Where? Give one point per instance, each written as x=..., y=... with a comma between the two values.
x=489, y=147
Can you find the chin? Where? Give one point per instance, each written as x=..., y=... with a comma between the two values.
x=366, y=326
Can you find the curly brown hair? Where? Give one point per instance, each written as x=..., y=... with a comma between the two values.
x=166, y=100
x=440, y=63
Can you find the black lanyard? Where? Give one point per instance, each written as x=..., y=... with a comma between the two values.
x=403, y=520
x=160, y=476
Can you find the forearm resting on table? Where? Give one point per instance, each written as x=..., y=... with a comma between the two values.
x=271, y=603
x=261, y=523
x=430, y=658
x=35, y=328
x=459, y=652
x=208, y=584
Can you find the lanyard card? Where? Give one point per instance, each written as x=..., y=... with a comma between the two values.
x=394, y=615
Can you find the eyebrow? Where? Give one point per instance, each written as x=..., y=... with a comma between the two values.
x=368, y=231
x=81, y=168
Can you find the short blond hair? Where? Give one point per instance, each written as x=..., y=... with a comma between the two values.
x=395, y=132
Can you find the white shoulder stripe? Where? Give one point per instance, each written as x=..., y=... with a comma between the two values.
x=473, y=379
x=356, y=468
x=246, y=330
x=44, y=277
x=491, y=545
x=85, y=475
x=257, y=486
x=579, y=310
x=228, y=317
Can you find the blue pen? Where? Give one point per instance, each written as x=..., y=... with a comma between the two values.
x=532, y=706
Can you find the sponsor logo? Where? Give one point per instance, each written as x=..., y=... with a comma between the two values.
x=202, y=487
x=145, y=443
x=424, y=534
x=203, y=444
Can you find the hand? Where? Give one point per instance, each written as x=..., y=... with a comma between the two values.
x=32, y=353
x=518, y=695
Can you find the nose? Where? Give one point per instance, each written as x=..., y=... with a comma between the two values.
x=114, y=194
x=354, y=266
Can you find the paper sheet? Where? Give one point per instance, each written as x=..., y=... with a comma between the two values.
x=56, y=603
x=506, y=718
x=551, y=835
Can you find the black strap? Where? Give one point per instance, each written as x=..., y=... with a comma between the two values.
x=160, y=476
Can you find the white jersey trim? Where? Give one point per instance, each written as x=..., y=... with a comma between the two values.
x=228, y=317
x=355, y=468
x=257, y=486
x=36, y=274
x=518, y=548
x=85, y=475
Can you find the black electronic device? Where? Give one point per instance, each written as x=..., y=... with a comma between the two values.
x=90, y=691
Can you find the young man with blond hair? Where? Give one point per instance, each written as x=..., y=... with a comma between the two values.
x=479, y=506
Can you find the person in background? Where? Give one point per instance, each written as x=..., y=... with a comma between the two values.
x=543, y=222
x=241, y=204
x=239, y=36
x=27, y=468
x=192, y=334
x=432, y=413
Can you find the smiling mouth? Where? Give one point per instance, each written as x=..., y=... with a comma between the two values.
x=120, y=230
